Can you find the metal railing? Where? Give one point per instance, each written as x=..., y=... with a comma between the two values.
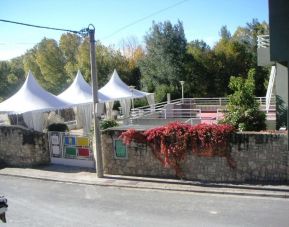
x=270, y=87
x=166, y=113
x=263, y=41
x=202, y=104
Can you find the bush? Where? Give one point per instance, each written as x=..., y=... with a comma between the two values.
x=108, y=124
x=58, y=127
x=243, y=108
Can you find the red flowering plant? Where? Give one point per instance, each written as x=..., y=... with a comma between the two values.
x=171, y=142
x=212, y=140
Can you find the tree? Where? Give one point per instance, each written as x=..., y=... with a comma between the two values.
x=232, y=58
x=243, y=108
x=51, y=63
x=248, y=34
x=16, y=76
x=225, y=33
x=4, y=71
x=83, y=59
x=107, y=59
x=69, y=44
x=164, y=60
x=133, y=52
x=12, y=77
x=248, y=37
x=30, y=63
x=198, y=66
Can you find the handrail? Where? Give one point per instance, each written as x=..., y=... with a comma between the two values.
x=270, y=88
x=219, y=101
x=167, y=113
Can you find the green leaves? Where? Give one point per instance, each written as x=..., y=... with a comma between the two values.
x=170, y=143
x=164, y=61
x=243, y=108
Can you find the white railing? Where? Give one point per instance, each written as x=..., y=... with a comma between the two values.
x=189, y=103
x=182, y=113
x=166, y=113
x=270, y=88
x=263, y=41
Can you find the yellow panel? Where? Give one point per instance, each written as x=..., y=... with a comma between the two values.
x=82, y=141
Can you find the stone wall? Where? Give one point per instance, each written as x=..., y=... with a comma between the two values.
x=259, y=158
x=22, y=147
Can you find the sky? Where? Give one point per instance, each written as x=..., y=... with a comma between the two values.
x=118, y=20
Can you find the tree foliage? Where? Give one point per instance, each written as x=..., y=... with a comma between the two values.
x=157, y=66
x=164, y=59
x=51, y=63
x=243, y=108
x=69, y=44
x=11, y=77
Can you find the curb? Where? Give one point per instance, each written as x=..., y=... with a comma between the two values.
x=166, y=187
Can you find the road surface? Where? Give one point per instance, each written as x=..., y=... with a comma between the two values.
x=46, y=203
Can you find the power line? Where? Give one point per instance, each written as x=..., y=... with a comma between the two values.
x=145, y=17
x=43, y=27
x=85, y=31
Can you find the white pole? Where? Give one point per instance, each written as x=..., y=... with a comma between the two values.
x=182, y=84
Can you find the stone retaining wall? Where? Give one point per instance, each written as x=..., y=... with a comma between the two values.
x=259, y=158
x=22, y=147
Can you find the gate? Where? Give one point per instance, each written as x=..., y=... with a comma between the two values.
x=69, y=149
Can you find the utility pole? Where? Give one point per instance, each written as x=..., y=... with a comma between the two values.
x=97, y=146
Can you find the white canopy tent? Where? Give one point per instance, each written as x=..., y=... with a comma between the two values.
x=32, y=100
x=116, y=89
x=79, y=94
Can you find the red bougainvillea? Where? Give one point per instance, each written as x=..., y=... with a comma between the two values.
x=171, y=143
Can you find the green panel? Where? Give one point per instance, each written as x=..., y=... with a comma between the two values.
x=70, y=151
x=120, y=149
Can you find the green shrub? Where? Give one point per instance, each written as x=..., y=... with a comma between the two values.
x=58, y=127
x=243, y=108
x=107, y=124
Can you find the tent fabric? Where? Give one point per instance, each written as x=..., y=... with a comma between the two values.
x=84, y=116
x=125, y=107
x=34, y=120
x=116, y=89
x=109, y=107
x=80, y=92
x=31, y=97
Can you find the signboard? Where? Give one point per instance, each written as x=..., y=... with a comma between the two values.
x=120, y=150
x=69, y=146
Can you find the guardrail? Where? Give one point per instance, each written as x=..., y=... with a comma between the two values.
x=166, y=113
x=202, y=104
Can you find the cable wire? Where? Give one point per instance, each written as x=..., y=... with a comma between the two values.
x=145, y=17
x=43, y=27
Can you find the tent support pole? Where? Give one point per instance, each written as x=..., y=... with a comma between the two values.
x=99, y=164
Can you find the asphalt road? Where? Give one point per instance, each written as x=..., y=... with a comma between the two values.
x=45, y=203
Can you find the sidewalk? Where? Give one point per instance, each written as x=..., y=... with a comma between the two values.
x=77, y=175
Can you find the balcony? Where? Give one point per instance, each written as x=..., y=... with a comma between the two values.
x=263, y=41
x=263, y=50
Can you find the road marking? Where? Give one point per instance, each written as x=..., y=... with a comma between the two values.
x=213, y=212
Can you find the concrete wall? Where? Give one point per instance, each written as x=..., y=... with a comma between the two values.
x=22, y=147
x=279, y=32
x=263, y=56
x=259, y=158
x=282, y=82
